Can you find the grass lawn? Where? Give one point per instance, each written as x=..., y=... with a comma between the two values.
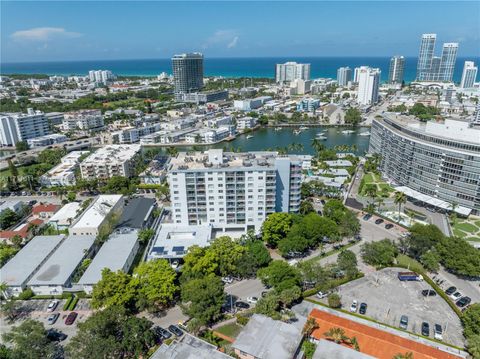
x=231, y=330
x=372, y=179
x=473, y=239
x=458, y=233
x=409, y=262
x=466, y=227
x=368, y=177
x=477, y=223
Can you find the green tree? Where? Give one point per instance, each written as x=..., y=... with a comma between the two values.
x=334, y=210
x=306, y=207
x=292, y=243
x=8, y=218
x=71, y=196
x=21, y=146
x=29, y=341
x=227, y=252
x=430, y=260
x=279, y=275
x=269, y=305
x=399, y=199
x=155, y=284
x=113, y=290
x=471, y=320
x=10, y=309
x=337, y=335
x=379, y=254
x=473, y=345
x=407, y=355
x=203, y=299
x=6, y=252
x=256, y=256
x=52, y=156
x=289, y=296
x=353, y=116
x=422, y=238
x=118, y=184
x=458, y=256
x=276, y=227
x=334, y=300
x=347, y=262
x=145, y=235
x=112, y=333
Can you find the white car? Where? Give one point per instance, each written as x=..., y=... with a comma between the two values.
x=321, y=295
x=455, y=296
x=353, y=307
x=227, y=280
x=437, y=332
x=252, y=300
x=52, y=306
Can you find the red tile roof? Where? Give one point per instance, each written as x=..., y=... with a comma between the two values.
x=42, y=208
x=375, y=342
x=23, y=232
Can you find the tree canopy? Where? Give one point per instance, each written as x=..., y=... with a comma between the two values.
x=276, y=227
x=379, y=254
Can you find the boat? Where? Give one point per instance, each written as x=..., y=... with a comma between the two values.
x=364, y=133
x=249, y=136
x=321, y=133
x=303, y=128
x=296, y=132
x=347, y=132
x=321, y=137
x=277, y=129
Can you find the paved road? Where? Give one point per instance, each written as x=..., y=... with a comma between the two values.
x=246, y=288
x=467, y=287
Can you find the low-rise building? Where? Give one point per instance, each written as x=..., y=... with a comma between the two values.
x=44, y=210
x=98, y=214
x=172, y=241
x=250, y=104
x=56, y=273
x=117, y=253
x=202, y=97
x=65, y=216
x=245, y=123
x=156, y=172
x=109, y=161
x=46, y=140
x=20, y=269
x=63, y=174
x=308, y=105
x=189, y=347
x=137, y=213
x=265, y=338
x=84, y=120
x=166, y=137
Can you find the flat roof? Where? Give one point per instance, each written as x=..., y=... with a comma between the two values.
x=188, y=347
x=97, y=212
x=327, y=349
x=113, y=255
x=266, y=338
x=21, y=267
x=63, y=214
x=172, y=240
x=135, y=212
x=63, y=262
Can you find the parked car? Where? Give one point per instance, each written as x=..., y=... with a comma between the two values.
x=404, y=322
x=353, y=307
x=379, y=221
x=367, y=217
x=389, y=226
x=357, y=238
x=322, y=295
x=429, y=293
x=52, y=306
x=227, y=280
x=52, y=318
x=456, y=295
x=55, y=335
x=252, y=300
x=451, y=290
x=71, y=318
x=463, y=301
x=175, y=330
x=438, y=332
x=425, y=329
x=242, y=305
x=161, y=333
x=363, y=308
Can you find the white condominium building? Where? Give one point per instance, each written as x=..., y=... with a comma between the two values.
x=112, y=160
x=368, y=83
x=291, y=71
x=102, y=76
x=233, y=191
x=344, y=76
x=64, y=173
x=16, y=127
x=469, y=74
x=85, y=120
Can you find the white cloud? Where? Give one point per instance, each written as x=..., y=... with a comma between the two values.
x=44, y=34
x=227, y=38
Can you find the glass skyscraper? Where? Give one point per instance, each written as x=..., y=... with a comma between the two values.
x=434, y=68
x=427, y=48
x=188, y=72
x=447, y=63
x=397, y=66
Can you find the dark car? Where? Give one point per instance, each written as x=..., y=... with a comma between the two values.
x=52, y=318
x=367, y=217
x=71, y=318
x=451, y=290
x=242, y=305
x=429, y=293
x=463, y=301
x=425, y=329
x=56, y=336
x=404, y=322
x=389, y=226
x=379, y=221
x=175, y=330
x=363, y=308
x=357, y=238
x=161, y=333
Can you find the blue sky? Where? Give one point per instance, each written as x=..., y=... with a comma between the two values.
x=67, y=30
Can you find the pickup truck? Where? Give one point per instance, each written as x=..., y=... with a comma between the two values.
x=409, y=276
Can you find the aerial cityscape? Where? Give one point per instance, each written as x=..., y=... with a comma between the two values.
x=193, y=180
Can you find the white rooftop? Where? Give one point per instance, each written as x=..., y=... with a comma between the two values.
x=113, y=255
x=96, y=213
x=110, y=153
x=18, y=270
x=63, y=214
x=63, y=262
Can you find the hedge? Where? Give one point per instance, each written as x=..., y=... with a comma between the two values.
x=73, y=303
x=67, y=303
x=330, y=285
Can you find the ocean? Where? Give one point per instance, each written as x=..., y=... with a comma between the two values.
x=227, y=67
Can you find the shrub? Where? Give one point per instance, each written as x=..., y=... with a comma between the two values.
x=242, y=320
x=334, y=300
x=67, y=303
x=73, y=303
x=26, y=294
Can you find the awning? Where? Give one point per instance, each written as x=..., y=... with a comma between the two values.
x=464, y=211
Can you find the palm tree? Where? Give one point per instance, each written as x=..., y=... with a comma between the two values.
x=408, y=355
x=336, y=334
x=309, y=327
x=354, y=344
x=453, y=214
x=400, y=198
x=380, y=202
x=371, y=191
x=317, y=145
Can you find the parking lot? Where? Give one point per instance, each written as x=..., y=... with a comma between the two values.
x=389, y=298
